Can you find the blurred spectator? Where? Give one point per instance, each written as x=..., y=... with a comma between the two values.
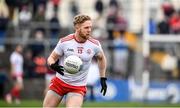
x=29, y=65
x=114, y=3
x=37, y=47
x=163, y=27
x=40, y=14
x=12, y=4
x=40, y=65
x=123, y=43
x=56, y=4
x=120, y=55
x=22, y=3
x=37, y=3
x=152, y=21
x=168, y=9
x=3, y=27
x=175, y=22
x=111, y=21
x=25, y=15
x=121, y=24
x=74, y=9
x=152, y=26
x=170, y=23
x=55, y=26
x=99, y=7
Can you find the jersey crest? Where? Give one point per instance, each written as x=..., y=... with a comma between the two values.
x=89, y=51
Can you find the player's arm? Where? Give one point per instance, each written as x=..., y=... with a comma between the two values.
x=12, y=68
x=102, y=69
x=101, y=63
x=53, y=60
x=12, y=64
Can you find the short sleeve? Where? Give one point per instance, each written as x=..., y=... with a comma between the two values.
x=12, y=59
x=98, y=49
x=59, y=48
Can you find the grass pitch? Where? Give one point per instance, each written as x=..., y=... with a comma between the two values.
x=38, y=103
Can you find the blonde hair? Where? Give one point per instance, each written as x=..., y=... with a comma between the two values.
x=79, y=19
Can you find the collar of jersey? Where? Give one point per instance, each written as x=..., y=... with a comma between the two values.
x=77, y=40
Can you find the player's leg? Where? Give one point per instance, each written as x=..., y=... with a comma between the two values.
x=20, y=82
x=74, y=100
x=19, y=87
x=52, y=99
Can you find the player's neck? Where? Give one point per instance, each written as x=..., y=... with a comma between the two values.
x=78, y=38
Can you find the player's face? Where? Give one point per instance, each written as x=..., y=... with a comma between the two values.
x=19, y=49
x=85, y=29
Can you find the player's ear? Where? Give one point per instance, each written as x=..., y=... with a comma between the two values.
x=77, y=27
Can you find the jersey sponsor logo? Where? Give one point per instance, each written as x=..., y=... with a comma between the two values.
x=69, y=49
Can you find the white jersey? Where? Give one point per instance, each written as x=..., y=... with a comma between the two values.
x=16, y=60
x=86, y=51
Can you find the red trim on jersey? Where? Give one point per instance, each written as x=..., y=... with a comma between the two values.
x=62, y=88
x=94, y=41
x=67, y=38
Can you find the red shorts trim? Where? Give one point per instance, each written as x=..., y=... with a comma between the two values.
x=62, y=88
x=15, y=76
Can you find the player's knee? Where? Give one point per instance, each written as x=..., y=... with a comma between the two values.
x=45, y=104
x=49, y=104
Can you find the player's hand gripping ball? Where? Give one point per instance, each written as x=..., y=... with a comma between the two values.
x=72, y=64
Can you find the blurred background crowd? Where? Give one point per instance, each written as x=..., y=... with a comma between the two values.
x=120, y=26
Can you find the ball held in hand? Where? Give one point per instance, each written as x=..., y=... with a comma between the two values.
x=72, y=64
